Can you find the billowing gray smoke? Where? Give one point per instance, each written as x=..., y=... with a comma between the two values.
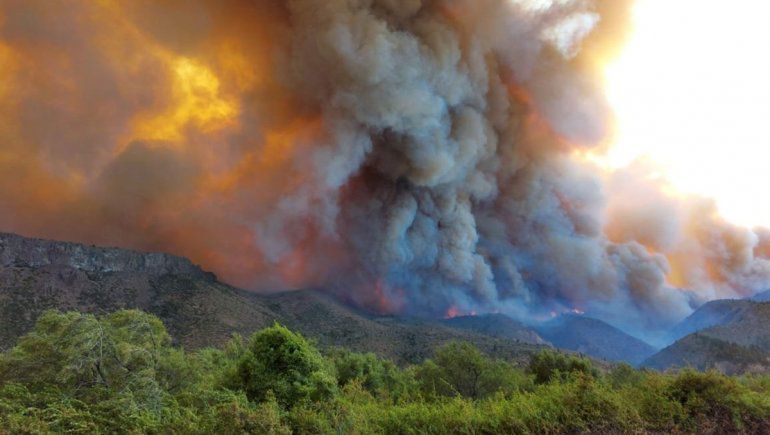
x=414, y=156
x=448, y=170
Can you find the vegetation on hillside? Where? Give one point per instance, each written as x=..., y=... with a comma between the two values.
x=119, y=373
x=702, y=351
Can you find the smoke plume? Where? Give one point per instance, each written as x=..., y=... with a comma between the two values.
x=419, y=157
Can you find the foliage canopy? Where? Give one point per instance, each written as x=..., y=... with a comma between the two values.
x=119, y=373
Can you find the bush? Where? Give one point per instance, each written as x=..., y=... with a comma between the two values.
x=649, y=398
x=284, y=364
x=461, y=369
x=713, y=399
x=377, y=376
x=623, y=374
x=549, y=365
x=236, y=415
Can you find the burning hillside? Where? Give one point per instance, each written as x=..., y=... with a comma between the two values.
x=422, y=157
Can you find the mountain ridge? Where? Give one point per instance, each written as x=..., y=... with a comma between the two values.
x=20, y=251
x=710, y=314
x=595, y=338
x=496, y=325
x=730, y=335
x=37, y=275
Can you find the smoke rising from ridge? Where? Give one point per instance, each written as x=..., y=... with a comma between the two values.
x=413, y=156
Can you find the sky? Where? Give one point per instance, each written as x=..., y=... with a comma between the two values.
x=691, y=92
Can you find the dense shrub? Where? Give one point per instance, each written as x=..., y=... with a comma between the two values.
x=284, y=364
x=377, y=376
x=549, y=365
x=461, y=369
x=720, y=401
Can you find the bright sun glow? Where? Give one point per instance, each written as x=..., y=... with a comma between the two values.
x=692, y=93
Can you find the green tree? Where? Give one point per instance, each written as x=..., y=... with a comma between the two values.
x=377, y=376
x=80, y=369
x=284, y=363
x=459, y=368
x=75, y=350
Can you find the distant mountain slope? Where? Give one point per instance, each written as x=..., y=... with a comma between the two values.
x=743, y=322
x=750, y=327
x=732, y=336
x=496, y=325
x=711, y=314
x=703, y=352
x=761, y=297
x=36, y=275
x=595, y=338
x=332, y=323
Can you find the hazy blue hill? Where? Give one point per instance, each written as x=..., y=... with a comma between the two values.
x=750, y=327
x=710, y=314
x=703, y=352
x=730, y=335
x=595, y=338
x=744, y=322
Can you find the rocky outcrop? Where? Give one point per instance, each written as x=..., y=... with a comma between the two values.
x=17, y=251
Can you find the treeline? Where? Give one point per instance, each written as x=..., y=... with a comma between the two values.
x=77, y=373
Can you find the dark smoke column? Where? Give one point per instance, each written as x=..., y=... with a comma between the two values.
x=446, y=168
